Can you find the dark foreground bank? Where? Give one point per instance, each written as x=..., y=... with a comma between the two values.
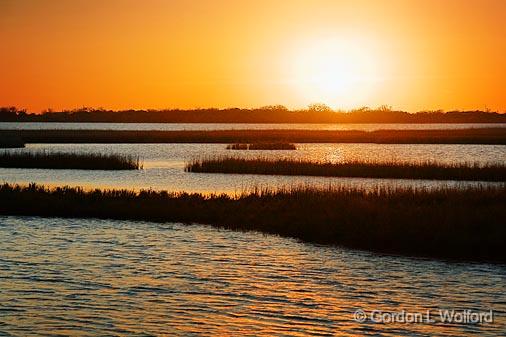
x=467, y=223
x=455, y=136
x=61, y=160
x=362, y=169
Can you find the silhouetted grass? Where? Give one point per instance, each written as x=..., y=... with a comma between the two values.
x=11, y=142
x=449, y=222
x=262, y=146
x=59, y=160
x=363, y=169
x=455, y=136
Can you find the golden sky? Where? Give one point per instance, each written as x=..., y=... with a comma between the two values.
x=118, y=54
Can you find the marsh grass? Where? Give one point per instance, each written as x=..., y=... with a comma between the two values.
x=449, y=222
x=61, y=160
x=262, y=146
x=455, y=136
x=356, y=168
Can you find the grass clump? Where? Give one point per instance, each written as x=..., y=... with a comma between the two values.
x=262, y=146
x=238, y=146
x=11, y=142
x=60, y=160
x=362, y=169
x=449, y=222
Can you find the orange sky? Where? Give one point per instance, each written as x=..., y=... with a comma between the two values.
x=116, y=54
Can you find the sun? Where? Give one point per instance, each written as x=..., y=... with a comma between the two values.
x=341, y=72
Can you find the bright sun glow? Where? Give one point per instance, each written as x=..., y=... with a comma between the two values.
x=335, y=71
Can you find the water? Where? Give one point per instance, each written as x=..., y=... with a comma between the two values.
x=164, y=165
x=101, y=277
x=88, y=277
x=236, y=126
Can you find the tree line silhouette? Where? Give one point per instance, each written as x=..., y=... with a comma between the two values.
x=315, y=113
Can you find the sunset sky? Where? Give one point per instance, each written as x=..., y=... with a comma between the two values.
x=412, y=55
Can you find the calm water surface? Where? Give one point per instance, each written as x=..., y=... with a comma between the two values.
x=235, y=126
x=99, y=277
x=164, y=165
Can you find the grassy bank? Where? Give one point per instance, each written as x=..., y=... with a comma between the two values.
x=466, y=223
x=363, y=169
x=58, y=160
x=460, y=136
x=262, y=146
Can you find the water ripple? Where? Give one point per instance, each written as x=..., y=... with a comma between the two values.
x=64, y=277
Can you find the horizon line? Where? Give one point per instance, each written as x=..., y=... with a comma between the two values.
x=315, y=107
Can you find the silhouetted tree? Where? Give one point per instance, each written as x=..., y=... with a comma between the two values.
x=319, y=107
x=384, y=108
x=10, y=114
x=274, y=108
